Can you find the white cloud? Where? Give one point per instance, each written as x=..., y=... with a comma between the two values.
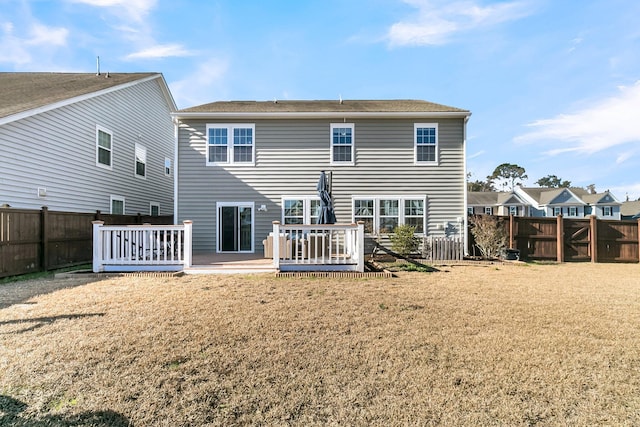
x=608, y=123
x=160, y=51
x=43, y=35
x=474, y=155
x=134, y=10
x=19, y=49
x=438, y=21
x=204, y=85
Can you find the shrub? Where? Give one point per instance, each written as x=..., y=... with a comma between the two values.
x=490, y=236
x=403, y=241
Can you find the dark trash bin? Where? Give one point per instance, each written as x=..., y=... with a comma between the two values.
x=512, y=255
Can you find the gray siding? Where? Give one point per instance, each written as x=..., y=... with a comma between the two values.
x=289, y=157
x=56, y=150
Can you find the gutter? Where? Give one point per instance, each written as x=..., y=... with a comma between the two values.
x=319, y=115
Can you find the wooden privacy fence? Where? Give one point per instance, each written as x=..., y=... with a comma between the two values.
x=571, y=239
x=41, y=240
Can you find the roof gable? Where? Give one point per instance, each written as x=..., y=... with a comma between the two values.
x=561, y=196
x=25, y=94
x=600, y=199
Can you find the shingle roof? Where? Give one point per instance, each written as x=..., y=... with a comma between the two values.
x=21, y=92
x=327, y=106
x=630, y=208
x=482, y=198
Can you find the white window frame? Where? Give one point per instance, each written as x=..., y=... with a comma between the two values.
x=488, y=210
x=557, y=210
x=401, y=210
x=417, y=126
x=353, y=144
x=230, y=127
x=470, y=210
x=250, y=205
x=167, y=166
x=140, y=152
x=607, y=211
x=99, y=147
x=513, y=210
x=154, y=205
x=114, y=198
x=307, y=218
x=572, y=211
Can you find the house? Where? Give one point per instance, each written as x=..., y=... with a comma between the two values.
x=630, y=210
x=84, y=142
x=602, y=205
x=243, y=164
x=496, y=203
x=569, y=202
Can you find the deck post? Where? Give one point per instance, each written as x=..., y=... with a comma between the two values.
x=97, y=246
x=276, y=244
x=188, y=243
x=360, y=246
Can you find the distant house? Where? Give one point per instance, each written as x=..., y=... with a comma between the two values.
x=602, y=205
x=630, y=210
x=85, y=142
x=496, y=203
x=242, y=165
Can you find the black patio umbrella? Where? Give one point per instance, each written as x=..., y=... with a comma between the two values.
x=327, y=215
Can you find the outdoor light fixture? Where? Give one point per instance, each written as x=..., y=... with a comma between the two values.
x=262, y=208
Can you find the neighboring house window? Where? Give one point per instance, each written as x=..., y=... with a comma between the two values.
x=607, y=211
x=426, y=143
x=557, y=211
x=167, y=166
x=342, y=143
x=154, y=209
x=231, y=144
x=141, y=161
x=384, y=214
x=470, y=211
x=303, y=210
x=488, y=210
x=117, y=205
x=573, y=211
x=104, y=147
x=513, y=210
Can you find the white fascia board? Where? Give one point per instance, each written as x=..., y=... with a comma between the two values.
x=526, y=197
x=320, y=115
x=69, y=101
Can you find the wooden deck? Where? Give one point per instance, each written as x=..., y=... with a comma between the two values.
x=212, y=263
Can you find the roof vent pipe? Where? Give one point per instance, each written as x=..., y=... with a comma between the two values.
x=97, y=65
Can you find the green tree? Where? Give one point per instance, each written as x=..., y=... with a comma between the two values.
x=479, y=185
x=510, y=174
x=552, y=181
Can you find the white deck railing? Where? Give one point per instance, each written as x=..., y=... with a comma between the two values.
x=318, y=247
x=141, y=247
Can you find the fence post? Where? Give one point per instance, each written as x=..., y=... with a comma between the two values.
x=511, y=226
x=360, y=246
x=560, y=239
x=593, y=237
x=44, y=238
x=97, y=246
x=276, y=244
x=188, y=243
x=638, y=234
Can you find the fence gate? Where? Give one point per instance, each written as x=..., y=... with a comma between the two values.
x=577, y=240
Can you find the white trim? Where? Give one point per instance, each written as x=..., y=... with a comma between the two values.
x=80, y=98
x=351, y=126
x=113, y=198
x=253, y=224
x=415, y=144
x=111, y=150
x=176, y=127
x=230, y=147
x=318, y=115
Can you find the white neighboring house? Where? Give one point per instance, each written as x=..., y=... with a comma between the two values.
x=569, y=202
x=83, y=142
x=496, y=203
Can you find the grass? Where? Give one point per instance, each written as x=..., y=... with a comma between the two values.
x=43, y=274
x=472, y=345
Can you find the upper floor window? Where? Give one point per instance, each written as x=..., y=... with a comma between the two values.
x=426, y=143
x=167, y=166
x=231, y=144
x=342, y=143
x=607, y=211
x=104, y=147
x=141, y=161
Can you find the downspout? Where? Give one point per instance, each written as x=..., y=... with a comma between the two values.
x=176, y=122
x=465, y=222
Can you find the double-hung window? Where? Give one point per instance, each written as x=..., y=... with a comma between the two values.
x=557, y=211
x=513, y=210
x=607, y=211
x=141, y=161
x=384, y=214
x=342, y=143
x=300, y=210
x=104, y=148
x=573, y=211
x=426, y=143
x=232, y=144
x=488, y=210
x=167, y=166
x=117, y=205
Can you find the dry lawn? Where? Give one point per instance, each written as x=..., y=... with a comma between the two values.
x=472, y=345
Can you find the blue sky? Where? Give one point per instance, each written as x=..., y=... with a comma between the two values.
x=553, y=85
